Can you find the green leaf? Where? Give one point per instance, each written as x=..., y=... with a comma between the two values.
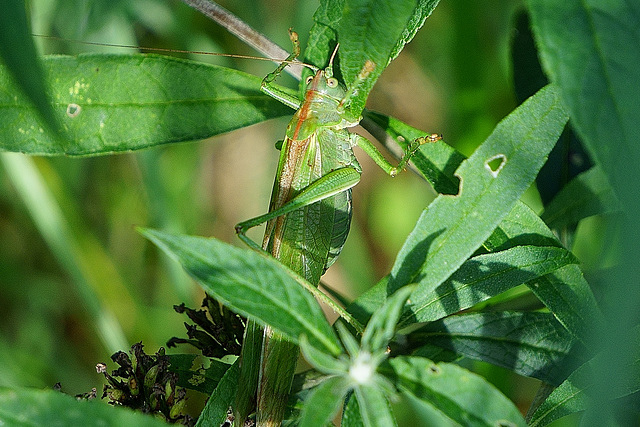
x=376, y=30
x=531, y=344
x=30, y=407
x=320, y=360
x=586, y=195
x=349, y=342
x=324, y=402
x=374, y=407
x=492, y=181
x=484, y=276
x=323, y=36
x=521, y=227
x=22, y=63
x=460, y=395
x=383, y=323
x=251, y=284
x=116, y=103
x=215, y=411
x=566, y=293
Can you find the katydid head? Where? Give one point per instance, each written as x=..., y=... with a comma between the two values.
x=324, y=83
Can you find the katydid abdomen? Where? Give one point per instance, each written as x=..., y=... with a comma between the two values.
x=309, y=239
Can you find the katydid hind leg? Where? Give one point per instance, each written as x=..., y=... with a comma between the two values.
x=329, y=185
x=371, y=150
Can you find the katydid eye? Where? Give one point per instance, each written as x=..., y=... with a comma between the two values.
x=309, y=79
x=331, y=82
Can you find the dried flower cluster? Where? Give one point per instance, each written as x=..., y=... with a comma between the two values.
x=143, y=382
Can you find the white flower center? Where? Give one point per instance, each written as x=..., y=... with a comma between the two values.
x=362, y=368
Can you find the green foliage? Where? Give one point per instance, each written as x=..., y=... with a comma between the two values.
x=28, y=407
x=597, y=84
x=110, y=104
x=532, y=344
x=481, y=277
x=250, y=283
x=215, y=411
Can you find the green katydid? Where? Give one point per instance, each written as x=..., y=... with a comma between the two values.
x=309, y=217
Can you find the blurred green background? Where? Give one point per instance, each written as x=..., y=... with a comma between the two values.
x=455, y=78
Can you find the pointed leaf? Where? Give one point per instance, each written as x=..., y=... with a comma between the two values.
x=383, y=323
x=376, y=30
x=324, y=402
x=453, y=227
x=251, y=284
x=320, y=360
x=116, y=103
x=565, y=292
x=375, y=410
x=492, y=181
x=531, y=344
x=348, y=340
x=462, y=396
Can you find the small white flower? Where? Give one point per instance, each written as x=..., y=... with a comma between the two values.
x=362, y=368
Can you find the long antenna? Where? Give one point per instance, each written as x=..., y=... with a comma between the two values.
x=245, y=33
x=167, y=50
